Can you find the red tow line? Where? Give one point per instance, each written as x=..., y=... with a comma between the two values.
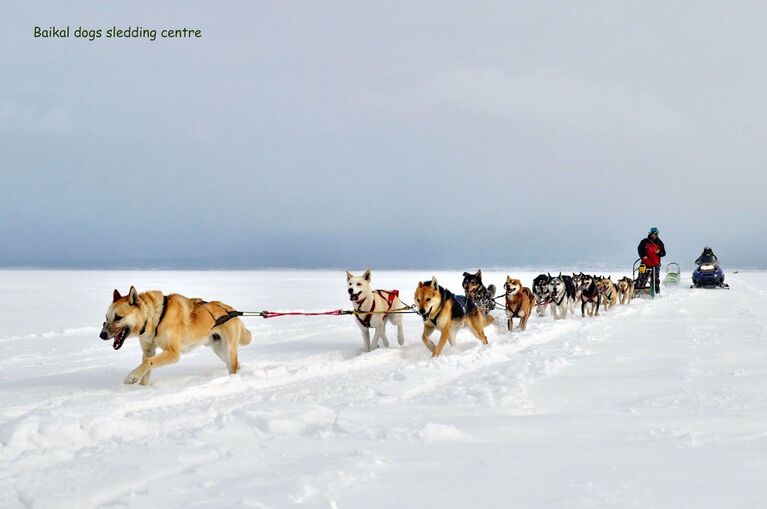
x=336, y=312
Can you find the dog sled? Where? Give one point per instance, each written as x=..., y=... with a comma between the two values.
x=644, y=279
x=673, y=274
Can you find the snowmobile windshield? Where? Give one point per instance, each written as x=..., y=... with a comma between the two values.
x=707, y=260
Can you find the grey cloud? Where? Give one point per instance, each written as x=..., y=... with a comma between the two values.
x=402, y=134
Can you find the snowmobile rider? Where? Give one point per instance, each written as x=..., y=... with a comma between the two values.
x=651, y=250
x=707, y=257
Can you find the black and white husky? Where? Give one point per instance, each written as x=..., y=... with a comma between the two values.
x=562, y=294
x=542, y=293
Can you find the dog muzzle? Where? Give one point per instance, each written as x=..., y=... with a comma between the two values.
x=119, y=338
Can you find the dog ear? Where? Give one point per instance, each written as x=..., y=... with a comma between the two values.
x=479, y=273
x=420, y=284
x=366, y=275
x=434, y=282
x=348, y=275
x=116, y=296
x=133, y=296
x=466, y=274
x=560, y=274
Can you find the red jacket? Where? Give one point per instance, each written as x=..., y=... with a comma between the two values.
x=652, y=254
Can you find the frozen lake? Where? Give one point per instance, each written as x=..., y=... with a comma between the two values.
x=657, y=404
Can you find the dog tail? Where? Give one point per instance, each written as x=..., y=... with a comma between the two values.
x=245, y=335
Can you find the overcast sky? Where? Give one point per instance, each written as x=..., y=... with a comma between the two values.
x=383, y=134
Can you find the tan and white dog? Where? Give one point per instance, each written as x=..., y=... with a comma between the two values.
x=625, y=290
x=608, y=292
x=519, y=303
x=174, y=323
x=442, y=310
x=370, y=306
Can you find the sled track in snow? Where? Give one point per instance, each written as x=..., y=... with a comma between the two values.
x=397, y=375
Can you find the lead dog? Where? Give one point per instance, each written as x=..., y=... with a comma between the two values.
x=441, y=309
x=519, y=303
x=366, y=300
x=174, y=323
x=625, y=290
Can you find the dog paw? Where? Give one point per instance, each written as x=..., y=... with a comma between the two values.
x=132, y=378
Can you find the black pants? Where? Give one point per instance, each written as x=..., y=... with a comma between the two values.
x=647, y=273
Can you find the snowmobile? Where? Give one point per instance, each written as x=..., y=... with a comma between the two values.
x=708, y=275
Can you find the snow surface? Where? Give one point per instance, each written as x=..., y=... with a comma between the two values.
x=658, y=404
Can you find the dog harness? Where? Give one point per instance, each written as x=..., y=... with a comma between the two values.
x=465, y=306
x=515, y=312
x=462, y=301
x=389, y=296
x=221, y=320
x=564, y=295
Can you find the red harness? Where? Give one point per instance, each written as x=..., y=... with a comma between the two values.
x=388, y=295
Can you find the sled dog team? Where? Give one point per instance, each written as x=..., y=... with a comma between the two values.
x=177, y=324
x=447, y=312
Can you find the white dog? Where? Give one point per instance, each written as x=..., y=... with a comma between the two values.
x=367, y=300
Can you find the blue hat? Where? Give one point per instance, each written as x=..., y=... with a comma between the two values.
x=654, y=230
